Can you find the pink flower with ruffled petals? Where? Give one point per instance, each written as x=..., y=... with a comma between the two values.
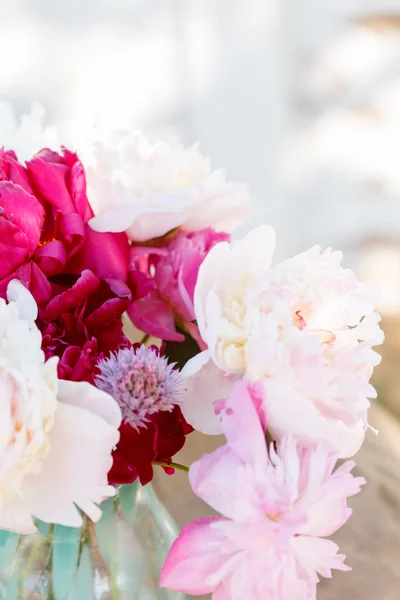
x=304, y=327
x=44, y=212
x=277, y=507
x=174, y=268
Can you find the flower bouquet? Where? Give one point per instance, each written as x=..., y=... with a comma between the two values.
x=275, y=357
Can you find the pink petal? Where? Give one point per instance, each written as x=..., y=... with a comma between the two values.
x=204, y=384
x=195, y=557
x=49, y=175
x=220, y=480
x=82, y=289
x=23, y=210
x=153, y=316
x=51, y=257
x=106, y=254
x=35, y=281
x=242, y=427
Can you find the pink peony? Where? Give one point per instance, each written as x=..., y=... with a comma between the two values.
x=43, y=224
x=277, y=507
x=304, y=327
x=174, y=268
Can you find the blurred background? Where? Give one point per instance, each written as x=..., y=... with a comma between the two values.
x=300, y=99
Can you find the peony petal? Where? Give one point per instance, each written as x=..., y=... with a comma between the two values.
x=154, y=223
x=106, y=254
x=49, y=175
x=35, y=281
x=242, y=427
x=80, y=291
x=16, y=292
x=88, y=397
x=15, y=516
x=227, y=210
x=204, y=384
x=220, y=479
x=195, y=557
x=115, y=221
x=51, y=257
x=23, y=210
x=292, y=412
x=210, y=272
x=153, y=316
x=14, y=247
x=74, y=473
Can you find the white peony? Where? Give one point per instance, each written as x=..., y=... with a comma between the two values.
x=56, y=437
x=305, y=328
x=147, y=190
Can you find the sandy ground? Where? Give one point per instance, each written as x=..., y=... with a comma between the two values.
x=370, y=539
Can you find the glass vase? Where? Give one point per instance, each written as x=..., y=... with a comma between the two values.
x=118, y=558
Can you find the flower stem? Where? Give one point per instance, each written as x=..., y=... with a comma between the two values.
x=145, y=339
x=171, y=465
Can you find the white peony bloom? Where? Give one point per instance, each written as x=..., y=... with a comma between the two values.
x=305, y=328
x=56, y=437
x=147, y=190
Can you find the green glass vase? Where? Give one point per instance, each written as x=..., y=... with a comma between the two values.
x=118, y=558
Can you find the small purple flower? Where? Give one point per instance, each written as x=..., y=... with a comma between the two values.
x=141, y=381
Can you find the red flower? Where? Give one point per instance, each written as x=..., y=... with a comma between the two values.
x=147, y=389
x=163, y=436
x=82, y=323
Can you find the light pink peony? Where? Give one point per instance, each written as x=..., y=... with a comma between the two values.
x=305, y=328
x=56, y=437
x=148, y=190
x=277, y=507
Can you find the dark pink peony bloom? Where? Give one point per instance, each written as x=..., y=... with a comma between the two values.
x=174, y=268
x=43, y=224
x=82, y=323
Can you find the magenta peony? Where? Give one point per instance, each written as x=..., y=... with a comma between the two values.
x=43, y=224
x=174, y=267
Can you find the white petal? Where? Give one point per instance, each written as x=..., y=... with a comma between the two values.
x=16, y=292
x=16, y=517
x=291, y=412
x=87, y=396
x=210, y=272
x=203, y=387
x=75, y=471
x=115, y=221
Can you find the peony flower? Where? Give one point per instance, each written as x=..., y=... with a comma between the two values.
x=276, y=506
x=304, y=327
x=174, y=268
x=43, y=224
x=82, y=323
x=148, y=190
x=56, y=436
x=148, y=390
